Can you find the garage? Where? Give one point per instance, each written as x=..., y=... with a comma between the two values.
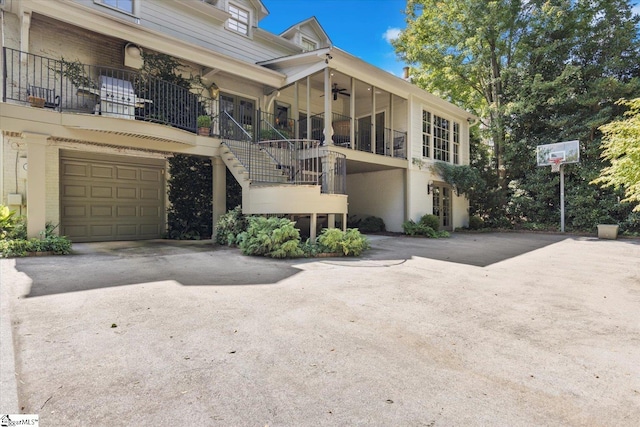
x=106, y=197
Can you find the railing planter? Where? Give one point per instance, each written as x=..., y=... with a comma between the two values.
x=34, y=101
x=608, y=231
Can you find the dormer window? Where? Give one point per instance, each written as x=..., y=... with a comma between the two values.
x=308, y=44
x=239, y=20
x=121, y=5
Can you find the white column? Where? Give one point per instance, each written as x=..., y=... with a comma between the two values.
x=36, y=183
x=328, y=98
x=25, y=25
x=331, y=221
x=344, y=222
x=352, y=113
x=373, y=119
x=219, y=196
x=391, y=134
x=312, y=226
x=295, y=111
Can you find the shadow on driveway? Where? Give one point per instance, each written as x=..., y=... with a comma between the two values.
x=190, y=263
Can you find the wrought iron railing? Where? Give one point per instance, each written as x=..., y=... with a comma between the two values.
x=272, y=128
x=75, y=87
x=288, y=161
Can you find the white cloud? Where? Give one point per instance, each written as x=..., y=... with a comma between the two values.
x=391, y=34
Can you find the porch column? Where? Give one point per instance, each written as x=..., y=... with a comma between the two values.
x=328, y=97
x=344, y=222
x=331, y=221
x=391, y=134
x=313, y=223
x=295, y=111
x=309, y=107
x=219, y=196
x=25, y=25
x=36, y=183
x=373, y=119
x=352, y=114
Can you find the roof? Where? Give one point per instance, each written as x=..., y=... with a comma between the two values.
x=314, y=24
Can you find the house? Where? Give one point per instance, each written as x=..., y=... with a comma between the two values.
x=307, y=129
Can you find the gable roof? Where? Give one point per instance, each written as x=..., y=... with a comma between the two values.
x=315, y=26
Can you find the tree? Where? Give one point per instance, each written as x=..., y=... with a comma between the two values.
x=621, y=144
x=460, y=49
x=536, y=72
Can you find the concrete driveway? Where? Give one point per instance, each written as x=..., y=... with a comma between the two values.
x=479, y=329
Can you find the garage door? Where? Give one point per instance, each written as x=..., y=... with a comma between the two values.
x=106, y=198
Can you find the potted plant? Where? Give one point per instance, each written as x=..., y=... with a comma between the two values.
x=204, y=125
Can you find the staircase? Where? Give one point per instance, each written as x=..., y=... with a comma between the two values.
x=286, y=177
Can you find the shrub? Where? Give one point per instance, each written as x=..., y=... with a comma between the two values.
x=412, y=228
x=204, y=121
x=272, y=237
x=349, y=243
x=372, y=224
x=230, y=225
x=431, y=221
x=475, y=222
x=14, y=242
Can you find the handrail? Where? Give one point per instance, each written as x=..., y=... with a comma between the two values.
x=247, y=134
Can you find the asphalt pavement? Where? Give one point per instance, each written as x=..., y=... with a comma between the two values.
x=478, y=329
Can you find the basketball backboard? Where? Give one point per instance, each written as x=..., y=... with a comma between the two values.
x=568, y=151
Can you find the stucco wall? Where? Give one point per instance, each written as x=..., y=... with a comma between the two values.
x=381, y=194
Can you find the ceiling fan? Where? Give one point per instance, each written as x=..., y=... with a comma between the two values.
x=335, y=91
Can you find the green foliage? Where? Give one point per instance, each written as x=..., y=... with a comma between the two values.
x=464, y=178
x=621, y=144
x=190, y=216
x=429, y=220
x=204, y=121
x=14, y=242
x=272, y=237
x=412, y=228
x=475, y=222
x=230, y=226
x=371, y=224
x=349, y=243
x=8, y=221
x=535, y=73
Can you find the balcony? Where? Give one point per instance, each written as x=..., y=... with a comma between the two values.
x=73, y=87
x=387, y=142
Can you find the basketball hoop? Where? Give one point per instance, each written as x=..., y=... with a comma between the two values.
x=555, y=164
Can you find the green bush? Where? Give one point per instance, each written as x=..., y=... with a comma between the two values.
x=431, y=221
x=230, y=225
x=412, y=228
x=349, y=243
x=14, y=242
x=272, y=237
x=475, y=222
x=372, y=224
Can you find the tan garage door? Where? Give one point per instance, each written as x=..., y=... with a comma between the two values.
x=106, y=198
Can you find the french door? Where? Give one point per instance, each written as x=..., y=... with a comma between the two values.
x=442, y=205
x=238, y=109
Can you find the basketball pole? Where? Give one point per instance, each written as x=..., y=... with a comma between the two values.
x=561, y=198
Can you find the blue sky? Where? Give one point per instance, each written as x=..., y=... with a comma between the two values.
x=361, y=27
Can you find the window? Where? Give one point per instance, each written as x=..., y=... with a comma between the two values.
x=426, y=133
x=308, y=44
x=123, y=5
x=456, y=143
x=239, y=20
x=441, y=135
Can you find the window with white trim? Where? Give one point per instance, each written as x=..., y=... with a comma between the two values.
x=239, y=20
x=456, y=143
x=308, y=44
x=441, y=136
x=426, y=133
x=123, y=5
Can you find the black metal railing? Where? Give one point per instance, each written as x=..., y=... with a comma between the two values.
x=341, y=129
x=288, y=161
x=397, y=141
x=272, y=128
x=77, y=87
